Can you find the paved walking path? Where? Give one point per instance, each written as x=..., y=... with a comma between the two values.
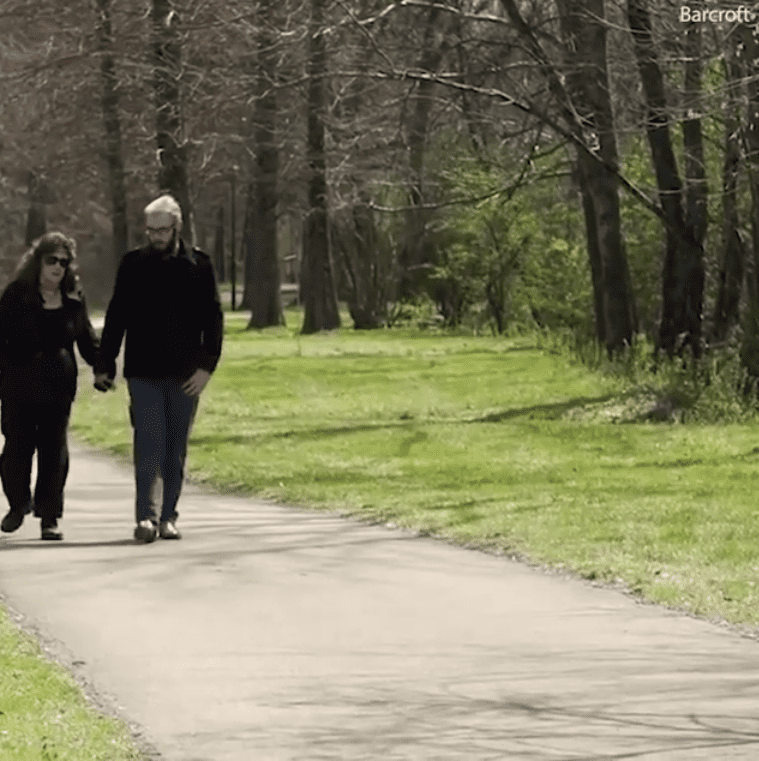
x=271, y=633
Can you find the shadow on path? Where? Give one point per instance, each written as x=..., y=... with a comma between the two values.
x=36, y=544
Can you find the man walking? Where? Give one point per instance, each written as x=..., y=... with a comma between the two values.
x=166, y=302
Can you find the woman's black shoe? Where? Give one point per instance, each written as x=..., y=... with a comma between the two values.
x=51, y=532
x=12, y=521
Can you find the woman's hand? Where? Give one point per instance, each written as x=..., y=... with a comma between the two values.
x=103, y=382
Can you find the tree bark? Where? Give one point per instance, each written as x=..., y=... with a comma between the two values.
x=262, y=286
x=585, y=34
x=696, y=189
x=36, y=224
x=726, y=312
x=749, y=53
x=595, y=255
x=683, y=272
x=416, y=253
x=219, y=247
x=172, y=152
x=366, y=265
x=318, y=285
x=112, y=124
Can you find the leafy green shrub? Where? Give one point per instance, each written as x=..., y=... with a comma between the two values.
x=716, y=388
x=509, y=255
x=420, y=312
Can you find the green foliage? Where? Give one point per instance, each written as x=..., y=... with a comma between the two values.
x=511, y=252
x=420, y=313
x=556, y=285
x=715, y=389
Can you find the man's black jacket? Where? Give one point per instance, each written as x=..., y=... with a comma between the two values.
x=168, y=306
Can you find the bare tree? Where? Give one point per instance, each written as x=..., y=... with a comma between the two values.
x=167, y=72
x=683, y=274
x=219, y=248
x=318, y=286
x=112, y=125
x=263, y=281
x=585, y=108
x=731, y=271
x=416, y=254
x=748, y=55
x=36, y=223
x=585, y=32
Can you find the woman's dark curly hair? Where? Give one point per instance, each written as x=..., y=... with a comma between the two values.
x=28, y=270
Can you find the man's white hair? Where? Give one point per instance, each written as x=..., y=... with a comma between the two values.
x=168, y=205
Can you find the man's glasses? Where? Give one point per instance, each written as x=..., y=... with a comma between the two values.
x=52, y=259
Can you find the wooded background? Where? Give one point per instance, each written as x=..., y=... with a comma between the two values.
x=591, y=165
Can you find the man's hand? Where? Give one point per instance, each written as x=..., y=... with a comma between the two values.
x=103, y=382
x=196, y=382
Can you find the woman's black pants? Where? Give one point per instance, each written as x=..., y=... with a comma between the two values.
x=29, y=426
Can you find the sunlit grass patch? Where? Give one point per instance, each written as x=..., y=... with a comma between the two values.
x=43, y=714
x=487, y=441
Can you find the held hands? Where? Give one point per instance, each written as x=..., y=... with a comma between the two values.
x=193, y=386
x=103, y=382
x=196, y=382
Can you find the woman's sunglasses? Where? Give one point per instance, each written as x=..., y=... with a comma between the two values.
x=52, y=259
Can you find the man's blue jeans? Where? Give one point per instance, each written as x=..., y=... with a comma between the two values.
x=162, y=416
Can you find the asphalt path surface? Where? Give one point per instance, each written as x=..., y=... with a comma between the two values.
x=273, y=633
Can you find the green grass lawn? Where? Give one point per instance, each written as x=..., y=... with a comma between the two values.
x=43, y=715
x=485, y=441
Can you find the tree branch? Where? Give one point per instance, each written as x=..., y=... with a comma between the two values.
x=448, y=80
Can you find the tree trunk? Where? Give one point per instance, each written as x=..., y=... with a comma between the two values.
x=584, y=101
x=749, y=52
x=726, y=311
x=262, y=285
x=696, y=189
x=172, y=153
x=595, y=255
x=36, y=224
x=219, y=247
x=112, y=124
x=683, y=273
x=585, y=32
x=366, y=264
x=416, y=254
x=318, y=284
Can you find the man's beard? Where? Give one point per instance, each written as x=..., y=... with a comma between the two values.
x=169, y=247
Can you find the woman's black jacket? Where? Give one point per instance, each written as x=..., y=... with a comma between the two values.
x=37, y=361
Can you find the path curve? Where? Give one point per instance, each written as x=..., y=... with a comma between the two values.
x=277, y=634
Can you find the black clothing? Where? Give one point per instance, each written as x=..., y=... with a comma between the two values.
x=28, y=426
x=168, y=306
x=38, y=374
x=37, y=345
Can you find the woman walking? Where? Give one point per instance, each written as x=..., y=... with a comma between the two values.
x=42, y=315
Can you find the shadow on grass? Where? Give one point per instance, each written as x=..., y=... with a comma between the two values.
x=689, y=462
x=554, y=411
x=549, y=412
